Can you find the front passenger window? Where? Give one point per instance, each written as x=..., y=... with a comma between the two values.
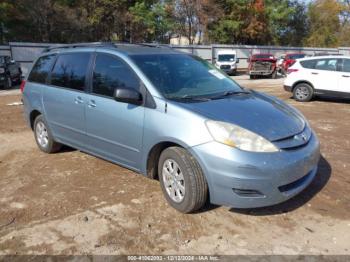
x=111, y=72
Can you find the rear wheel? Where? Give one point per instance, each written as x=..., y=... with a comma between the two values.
x=182, y=180
x=303, y=92
x=43, y=136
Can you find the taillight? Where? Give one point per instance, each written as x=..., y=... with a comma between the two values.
x=23, y=84
x=292, y=70
x=292, y=63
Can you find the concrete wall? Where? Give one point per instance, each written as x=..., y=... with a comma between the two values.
x=26, y=53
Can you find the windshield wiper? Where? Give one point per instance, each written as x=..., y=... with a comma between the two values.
x=191, y=98
x=230, y=93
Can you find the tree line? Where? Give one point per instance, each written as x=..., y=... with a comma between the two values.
x=318, y=23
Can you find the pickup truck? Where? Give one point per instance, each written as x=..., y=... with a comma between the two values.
x=262, y=65
x=10, y=72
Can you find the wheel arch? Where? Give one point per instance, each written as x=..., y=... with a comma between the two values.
x=302, y=82
x=32, y=116
x=154, y=154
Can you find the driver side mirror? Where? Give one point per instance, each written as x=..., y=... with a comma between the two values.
x=237, y=61
x=129, y=96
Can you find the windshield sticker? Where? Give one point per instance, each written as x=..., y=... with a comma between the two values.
x=217, y=74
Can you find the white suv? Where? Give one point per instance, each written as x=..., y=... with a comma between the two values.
x=324, y=75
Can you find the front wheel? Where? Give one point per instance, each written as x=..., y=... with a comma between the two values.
x=182, y=180
x=303, y=92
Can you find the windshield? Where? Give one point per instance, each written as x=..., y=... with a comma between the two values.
x=179, y=76
x=226, y=58
x=266, y=56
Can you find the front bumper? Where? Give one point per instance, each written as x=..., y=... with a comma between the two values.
x=230, y=70
x=261, y=73
x=247, y=180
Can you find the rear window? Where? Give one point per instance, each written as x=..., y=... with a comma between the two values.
x=310, y=64
x=41, y=69
x=70, y=71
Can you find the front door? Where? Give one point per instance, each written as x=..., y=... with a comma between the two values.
x=114, y=129
x=344, y=78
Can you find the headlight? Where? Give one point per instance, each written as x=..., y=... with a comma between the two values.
x=2, y=70
x=238, y=137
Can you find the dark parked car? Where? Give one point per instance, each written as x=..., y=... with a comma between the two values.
x=10, y=72
x=262, y=65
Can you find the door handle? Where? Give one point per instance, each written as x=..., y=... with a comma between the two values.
x=92, y=104
x=345, y=76
x=314, y=73
x=78, y=100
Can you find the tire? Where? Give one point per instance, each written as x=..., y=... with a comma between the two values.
x=274, y=75
x=190, y=177
x=251, y=77
x=45, y=141
x=303, y=92
x=8, y=82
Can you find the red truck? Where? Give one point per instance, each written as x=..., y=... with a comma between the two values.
x=262, y=65
x=289, y=60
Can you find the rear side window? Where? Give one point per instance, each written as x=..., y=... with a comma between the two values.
x=346, y=65
x=70, y=71
x=111, y=72
x=41, y=69
x=310, y=64
x=326, y=64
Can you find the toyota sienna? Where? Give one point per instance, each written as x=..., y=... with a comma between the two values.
x=171, y=116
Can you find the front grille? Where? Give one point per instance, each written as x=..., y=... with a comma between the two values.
x=262, y=66
x=295, y=141
x=225, y=67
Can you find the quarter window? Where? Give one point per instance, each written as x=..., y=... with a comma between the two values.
x=310, y=64
x=111, y=72
x=41, y=69
x=70, y=71
x=326, y=64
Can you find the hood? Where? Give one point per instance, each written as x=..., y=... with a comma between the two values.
x=264, y=115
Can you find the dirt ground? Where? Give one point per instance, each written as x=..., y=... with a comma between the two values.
x=74, y=203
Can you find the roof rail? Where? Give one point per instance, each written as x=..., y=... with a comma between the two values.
x=154, y=45
x=103, y=44
x=95, y=44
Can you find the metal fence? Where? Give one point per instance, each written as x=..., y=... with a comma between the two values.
x=26, y=53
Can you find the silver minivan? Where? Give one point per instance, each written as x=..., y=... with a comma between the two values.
x=171, y=116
